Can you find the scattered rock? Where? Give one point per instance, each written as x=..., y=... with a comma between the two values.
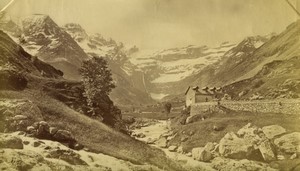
x=201, y=154
x=48, y=148
x=289, y=143
x=67, y=155
x=26, y=142
x=36, y=143
x=23, y=160
x=10, y=141
x=219, y=163
x=162, y=142
x=172, y=148
x=273, y=130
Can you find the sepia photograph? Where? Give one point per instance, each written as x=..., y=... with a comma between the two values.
x=149, y=85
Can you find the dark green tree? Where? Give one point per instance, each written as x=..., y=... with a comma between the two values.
x=97, y=81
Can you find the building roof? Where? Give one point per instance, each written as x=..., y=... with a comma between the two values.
x=204, y=91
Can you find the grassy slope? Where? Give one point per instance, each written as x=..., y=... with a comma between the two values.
x=91, y=133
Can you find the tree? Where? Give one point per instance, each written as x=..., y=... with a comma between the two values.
x=97, y=81
x=168, y=107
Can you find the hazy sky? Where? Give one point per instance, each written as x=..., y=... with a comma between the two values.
x=166, y=23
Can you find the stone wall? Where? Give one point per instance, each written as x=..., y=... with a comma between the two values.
x=286, y=106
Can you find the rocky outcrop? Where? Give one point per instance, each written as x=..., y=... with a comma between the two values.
x=250, y=142
x=10, y=141
x=289, y=143
x=17, y=114
x=272, y=131
x=201, y=154
x=43, y=130
x=232, y=146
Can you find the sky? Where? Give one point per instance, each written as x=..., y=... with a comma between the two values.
x=158, y=24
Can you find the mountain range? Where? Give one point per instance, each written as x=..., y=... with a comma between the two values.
x=67, y=47
x=258, y=66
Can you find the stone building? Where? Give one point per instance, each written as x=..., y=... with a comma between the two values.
x=195, y=95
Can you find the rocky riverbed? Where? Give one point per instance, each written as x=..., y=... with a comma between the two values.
x=251, y=148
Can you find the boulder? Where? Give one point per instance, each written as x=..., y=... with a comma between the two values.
x=266, y=151
x=10, y=141
x=289, y=143
x=172, y=148
x=63, y=136
x=250, y=132
x=162, y=142
x=232, y=146
x=273, y=130
x=36, y=143
x=201, y=154
x=42, y=130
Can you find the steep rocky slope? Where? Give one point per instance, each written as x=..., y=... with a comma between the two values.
x=66, y=48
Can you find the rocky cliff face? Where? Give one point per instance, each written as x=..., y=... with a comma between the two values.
x=44, y=38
